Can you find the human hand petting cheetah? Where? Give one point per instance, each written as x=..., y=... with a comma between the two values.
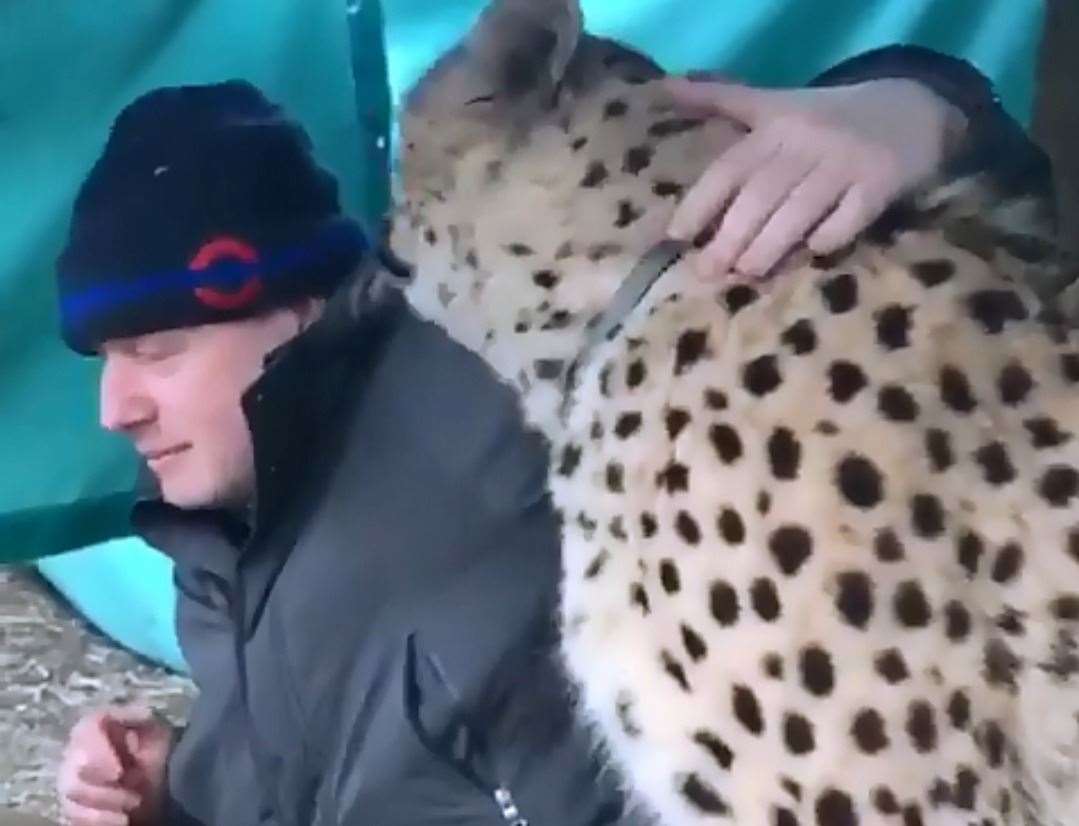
x=817, y=166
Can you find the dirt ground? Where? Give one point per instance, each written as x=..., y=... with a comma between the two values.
x=53, y=667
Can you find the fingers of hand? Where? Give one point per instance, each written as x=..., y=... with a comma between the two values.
x=751, y=210
x=706, y=198
x=78, y=814
x=111, y=797
x=855, y=212
x=807, y=205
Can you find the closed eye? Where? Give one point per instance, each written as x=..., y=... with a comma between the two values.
x=480, y=99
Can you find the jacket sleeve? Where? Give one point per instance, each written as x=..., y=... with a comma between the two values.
x=995, y=143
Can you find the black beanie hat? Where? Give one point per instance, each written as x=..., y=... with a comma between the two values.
x=205, y=206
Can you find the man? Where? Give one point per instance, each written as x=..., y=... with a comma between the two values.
x=366, y=558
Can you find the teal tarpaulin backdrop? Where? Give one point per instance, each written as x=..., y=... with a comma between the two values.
x=70, y=67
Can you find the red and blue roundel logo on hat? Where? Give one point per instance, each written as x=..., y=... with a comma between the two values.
x=219, y=250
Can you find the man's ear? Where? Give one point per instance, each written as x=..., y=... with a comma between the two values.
x=307, y=311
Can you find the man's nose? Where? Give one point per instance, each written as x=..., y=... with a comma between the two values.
x=124, y=403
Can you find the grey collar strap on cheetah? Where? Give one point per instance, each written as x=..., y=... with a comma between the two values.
x=645, y=273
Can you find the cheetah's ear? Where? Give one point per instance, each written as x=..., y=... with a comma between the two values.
x=510, y=63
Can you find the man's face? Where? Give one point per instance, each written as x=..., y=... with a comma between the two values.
x=176, y=394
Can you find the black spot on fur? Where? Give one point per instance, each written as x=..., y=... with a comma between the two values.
x=724, y=603
x=997, y=467
x=746, y=709
x=637, y=159
x=922, y=727
x=818, y=673
x=731, y=527
x=934, y=272
x=578, y=143
x=594, y=175
x=784, y=453
x=674, y=478
x=955, y=390
x=956, y=621
x=702, y=796
x=854, y=598
x=1001, y=665
x=791, y=546
x=694, y=644
x=785, y=817
x=738, y=297
x=649, y=526
x=674, y=670
x=893, y=326
x=969, y=550
x=627, y=424
x=926, y=515
x=859, y=481
x=840, y=293
x=1059, y=485
x=715, y=746
x=1066, y=607
x=639, y=596
x=868, y=731
x=715, y=399
x=772, y=666
x=764, y=502
x=1014, y=384
x=667, y=189
x=615, y=478
x=798, y=734
x=800, y=337
x=627, y=214
x=761, y=376
x=959, y=709
x=726, y=441
x=519, y=250
x=676, y=420
x=547, y=279
x=896, y=404
x=887, y=546
x=595, y=567
x=549, y=369
x=847, y=379
x=1008, y=564
x=938, y=444
x=910, y=605
x=885, y=801
x=765, y=599
x=687, y=528
x=669, y=577
x=571, y=458
x=689, y=350
x=993, y=743
x=891, y=666
x=1069, y=366
x=635, y=374
x=615, y=108
x=995, y=308
x=1045, y=433
x=835, y=808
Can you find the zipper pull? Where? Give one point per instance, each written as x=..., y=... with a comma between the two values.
x=509, y=809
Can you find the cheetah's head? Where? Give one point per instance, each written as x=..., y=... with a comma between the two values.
x=538, y=164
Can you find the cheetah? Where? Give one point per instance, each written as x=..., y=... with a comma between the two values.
x=820, y=537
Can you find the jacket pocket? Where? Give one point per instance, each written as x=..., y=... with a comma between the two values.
x=444, y=726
